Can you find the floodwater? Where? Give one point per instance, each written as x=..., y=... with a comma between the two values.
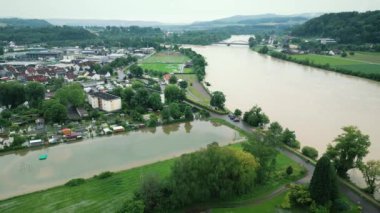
x=313, y=102
x=22, y=172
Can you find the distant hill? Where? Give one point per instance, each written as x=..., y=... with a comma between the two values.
x=264, y=19
x=17, y=22
x=345, y=27
x=102, y=23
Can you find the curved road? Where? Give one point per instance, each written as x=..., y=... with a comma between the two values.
x=366, y=205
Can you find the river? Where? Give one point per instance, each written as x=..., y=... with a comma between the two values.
x=315, y=103
x=22, y=172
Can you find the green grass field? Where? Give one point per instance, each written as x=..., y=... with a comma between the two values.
x=166, y=57
x=165, y=68
x=166, y=62
x=95, y=195
x=268, y=206
x=361, y=62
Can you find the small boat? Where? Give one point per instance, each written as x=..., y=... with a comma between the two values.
x=43, y=157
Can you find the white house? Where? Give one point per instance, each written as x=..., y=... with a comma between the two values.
x=104, y=101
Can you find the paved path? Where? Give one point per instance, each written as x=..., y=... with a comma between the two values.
x=366, y=205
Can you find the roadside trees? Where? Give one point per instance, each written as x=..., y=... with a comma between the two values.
x=371, y=173
x=255, y=117
x=237, y=112
x=323, y=185
x=310, y=152
x=348, y=150
x=217, y=99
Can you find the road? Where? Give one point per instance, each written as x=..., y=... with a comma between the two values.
x=366, y=205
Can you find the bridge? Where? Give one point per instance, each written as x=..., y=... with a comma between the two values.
x=228, y=43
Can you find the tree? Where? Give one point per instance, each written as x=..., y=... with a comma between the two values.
x=255, y=117
x=151, y=192
x=173, y=79
x=153, y=120
x=323, y=185
x=371, y=174
x=238, y=112
x=174, y=94
x=188, y=113
x=136, y=116
x=53, y=111
x=183, y=84
x=132, y=206
x=71, y=94
x=18, y=140
x=155, y=101
x=35, y=93
x=136, y=71
x=289, y=138
x=289, y=170
x=12, y=94
x=175, y=112
x=264, y=50
x=349, y=149
x=212, y=173
x=217, y=99
x=1, y=50
x=265, y=155
x=310, y=152
x=274, y=134
x=165, y=114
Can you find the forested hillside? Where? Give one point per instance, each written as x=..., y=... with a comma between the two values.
x=17, y=22
x=345, y=27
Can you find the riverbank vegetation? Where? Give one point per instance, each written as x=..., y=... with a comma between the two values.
x=334, y=63
x=362, y=27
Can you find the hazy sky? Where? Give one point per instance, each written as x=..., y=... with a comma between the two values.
x=172, y=11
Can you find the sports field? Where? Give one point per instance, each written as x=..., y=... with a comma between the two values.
x=166, y=62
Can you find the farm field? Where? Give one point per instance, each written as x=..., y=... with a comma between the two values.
x=361, y=62
x=107, y=195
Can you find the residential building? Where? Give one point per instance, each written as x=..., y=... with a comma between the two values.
x=104, y=101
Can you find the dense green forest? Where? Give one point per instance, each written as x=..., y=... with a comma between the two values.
x=346, y=27
x=29, y=35
x=17, y=22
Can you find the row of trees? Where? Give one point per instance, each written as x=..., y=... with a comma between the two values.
x=198, y=61
x=13, y=94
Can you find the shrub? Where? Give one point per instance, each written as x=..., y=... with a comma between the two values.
x=75, y=182
x=340, y=205
x=132, y=206
x=299, y=196
x=289, y=170
x=104, y=175
x=310, y=152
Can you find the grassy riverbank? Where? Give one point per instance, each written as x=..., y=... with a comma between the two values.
x=363, y=62
x=108, y=194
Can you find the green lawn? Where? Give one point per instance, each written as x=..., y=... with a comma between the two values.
x=165, y=68
x=166, y=57
x=195, y=91
x=95, y=195
x=360, y=62
x=268, y=206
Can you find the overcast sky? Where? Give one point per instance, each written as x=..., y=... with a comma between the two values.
x=172, y=11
